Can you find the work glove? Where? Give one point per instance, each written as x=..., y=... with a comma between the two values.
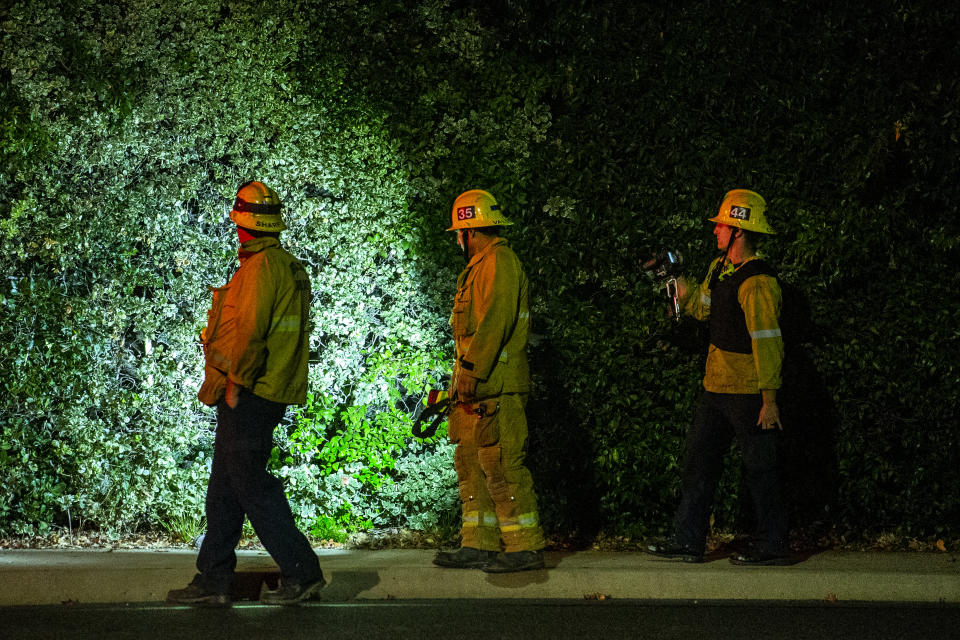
x=466, y=389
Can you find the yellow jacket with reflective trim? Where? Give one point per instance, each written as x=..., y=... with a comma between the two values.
x=257, y=330
x=490, y=319
x=729, y=372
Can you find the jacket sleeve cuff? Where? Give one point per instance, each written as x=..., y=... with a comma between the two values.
x=471, y=369
x=235, y=379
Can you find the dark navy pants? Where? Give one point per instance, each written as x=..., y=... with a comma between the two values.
x=719, y=418
x=241, y=486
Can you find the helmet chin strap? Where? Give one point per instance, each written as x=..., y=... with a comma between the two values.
x=733, y=236
x=718, y=270
x=464, y=242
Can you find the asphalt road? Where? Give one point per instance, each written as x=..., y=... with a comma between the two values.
x=489, y=619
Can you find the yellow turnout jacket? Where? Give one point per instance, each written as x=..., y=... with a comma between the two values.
x=490, y=319
x=257, y=330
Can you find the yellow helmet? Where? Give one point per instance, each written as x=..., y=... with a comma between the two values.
x=476, y=208
x=257, y=207
x=744, y=209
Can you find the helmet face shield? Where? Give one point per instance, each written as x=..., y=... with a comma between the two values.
x=257, y=207
x=745, y=210
x=475, y=208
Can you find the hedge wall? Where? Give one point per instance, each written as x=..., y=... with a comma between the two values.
x=605, y=129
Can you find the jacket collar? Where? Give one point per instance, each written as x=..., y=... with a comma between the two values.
x=487, y=250
x=728, y=268
x=250, y=247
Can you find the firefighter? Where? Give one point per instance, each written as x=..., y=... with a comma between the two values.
x=256, y=347
x=490, y=384
x=740, y=299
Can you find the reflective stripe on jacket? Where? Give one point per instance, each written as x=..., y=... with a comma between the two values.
x=490, y=319
x=729, y=372
x=257, y=330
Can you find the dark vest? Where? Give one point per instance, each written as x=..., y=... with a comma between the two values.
x=728, y=326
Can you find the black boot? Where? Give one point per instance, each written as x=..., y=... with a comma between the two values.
x=674, y=551
x=196, y=595
x=761, y=559
x=293, y=593
x=464, y=558
x=508, y=562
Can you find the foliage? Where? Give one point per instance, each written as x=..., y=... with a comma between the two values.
x=819, y=111
x=606, y=129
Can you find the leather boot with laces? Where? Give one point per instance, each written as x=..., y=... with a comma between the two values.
x=196, y=595
x=293, y=593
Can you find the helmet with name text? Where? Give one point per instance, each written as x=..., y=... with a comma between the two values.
x=257, y=208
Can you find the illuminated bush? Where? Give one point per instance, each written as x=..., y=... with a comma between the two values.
x=129, y=127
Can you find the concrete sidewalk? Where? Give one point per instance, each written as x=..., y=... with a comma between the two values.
x=42, y=577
